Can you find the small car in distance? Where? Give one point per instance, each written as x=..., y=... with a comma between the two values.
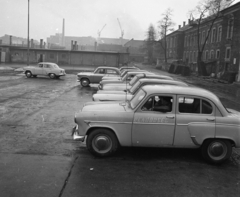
x=170, y=116
x=44, y=68
x=86, y=78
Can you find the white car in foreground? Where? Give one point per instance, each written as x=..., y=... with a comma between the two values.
x=161, y=116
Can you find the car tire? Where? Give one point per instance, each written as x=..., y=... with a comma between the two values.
x=102, y=143
x=85, y=82
x=28, y=74
x=52, y=75
x=216, y=151
x=34, y=76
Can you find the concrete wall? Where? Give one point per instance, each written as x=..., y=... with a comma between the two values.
x=69, y=57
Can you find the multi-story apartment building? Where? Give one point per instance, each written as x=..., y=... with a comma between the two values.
x=222, y=50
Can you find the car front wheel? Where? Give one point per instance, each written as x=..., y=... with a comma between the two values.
x=216, y=151
x=52, y=75
x=102, y=143
x=28, y=74
x=85, y=82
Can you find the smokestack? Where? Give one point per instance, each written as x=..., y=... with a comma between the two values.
x=0, y=41
x=179, y=26
x=32, y=46
x=75, y=46
x=63, y=33
x=184, y=23
x=41, y=43
x=72, y=45
x=10, y=40
x=188, y=21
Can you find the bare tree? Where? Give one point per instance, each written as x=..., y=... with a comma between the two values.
x=150, y=42
x=165, y=25
x=208, y=11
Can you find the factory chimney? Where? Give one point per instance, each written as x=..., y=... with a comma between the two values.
x=63, y=33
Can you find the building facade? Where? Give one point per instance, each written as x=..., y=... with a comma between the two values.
x=221, y=52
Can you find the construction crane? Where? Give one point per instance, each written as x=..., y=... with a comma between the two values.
x=99, y=32
x=122, y=32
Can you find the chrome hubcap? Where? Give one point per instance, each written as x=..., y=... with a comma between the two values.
x=102, y=144
x=217, y=150
x=84, y=82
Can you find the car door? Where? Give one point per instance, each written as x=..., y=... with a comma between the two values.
x=98, y=75
x=46, y=69
x=195, y=121
x=38, y=69
x=153, y=126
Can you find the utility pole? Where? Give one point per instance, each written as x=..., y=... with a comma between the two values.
x=28, y=36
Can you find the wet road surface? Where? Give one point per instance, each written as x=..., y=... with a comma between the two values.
x=36, y=119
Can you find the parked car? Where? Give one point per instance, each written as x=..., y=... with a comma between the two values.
x=128, y=85
x=125, y=78
x=86, y=78
x=166, y=116
x=129, y=93
x=122, y=75
x=44, y=68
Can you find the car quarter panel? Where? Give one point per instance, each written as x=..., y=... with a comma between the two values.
x=228, y=127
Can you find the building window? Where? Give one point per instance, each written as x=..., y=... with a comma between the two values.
x=209, y=36
x=194, y=56
x=217, y=54
x=190, y=56
x=187, y=56
x=203, y=37
x=212, y=54
x=63, y=56
x=51, y=56
x=228, y=53
x=230, y=28
x=206, y=55
x=213, y=35
x=185, y=41
x=219, y=34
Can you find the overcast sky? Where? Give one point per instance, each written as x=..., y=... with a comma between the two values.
x=87, y=17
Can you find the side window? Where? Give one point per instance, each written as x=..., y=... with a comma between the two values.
x=101, y=71
x=206, y=107
x=159, y=104
x=110, y=71
x=189, y=105
x=40, y=65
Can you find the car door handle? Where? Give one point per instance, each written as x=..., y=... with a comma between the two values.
x=211, y=119
x=171, y=117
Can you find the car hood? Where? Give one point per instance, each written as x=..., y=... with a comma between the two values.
x=112, y=97
x=112, y=107
x=111, y=92
x=233, y=113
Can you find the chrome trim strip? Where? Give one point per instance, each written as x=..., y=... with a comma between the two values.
x=233, y=125
x=153, y=123
x=112, y=122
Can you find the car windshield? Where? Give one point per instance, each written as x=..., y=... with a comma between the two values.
x=134, y=80
x=137, y=98
x=134, y=87
x=55, y=66
x=123, y=73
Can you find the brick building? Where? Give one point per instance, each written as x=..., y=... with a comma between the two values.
x=221, y=52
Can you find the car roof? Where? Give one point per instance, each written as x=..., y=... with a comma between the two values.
x=170, y=89
x=47, y=63
x=107, y=67
x=163, y=81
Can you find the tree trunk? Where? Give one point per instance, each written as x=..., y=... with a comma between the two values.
x=202, y=71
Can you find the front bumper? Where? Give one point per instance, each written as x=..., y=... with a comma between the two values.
x=76, y=135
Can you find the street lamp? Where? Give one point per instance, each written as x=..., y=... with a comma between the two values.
x=28, y=37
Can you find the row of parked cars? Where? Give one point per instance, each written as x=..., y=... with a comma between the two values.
x=137, y=108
